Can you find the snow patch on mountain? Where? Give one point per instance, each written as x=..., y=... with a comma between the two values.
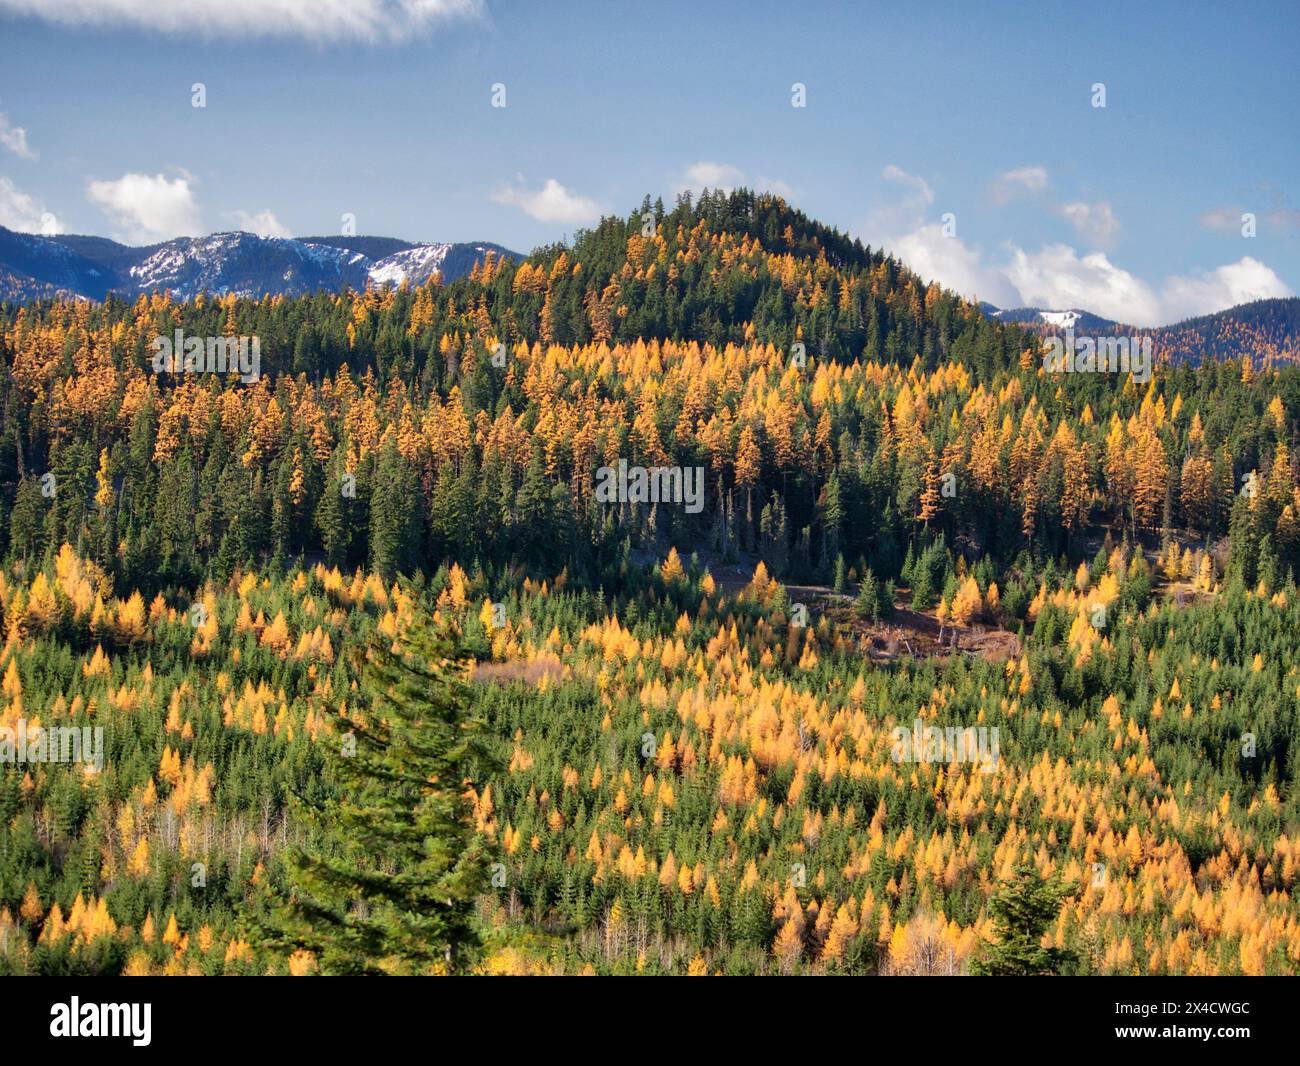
x=415, y=265
x=1064, y=319
x=236, y=263
x=187, y=259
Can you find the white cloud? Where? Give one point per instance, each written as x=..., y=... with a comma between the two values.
x=1021, y=179
x=954, y=264
x=1058, y=278
x=1236, y=283
x=724, y=177
x=551, y=203
x=714, y=176
x=19, y=211
x=891, y=218
x=774, y=185
x=316, y=20
x=1278, y=217
x=1095, y=223
x=1222, y=219
x=903, y=228
x=1283, y=218
x=14, y=138
x=264, y=223
x=921, y=190
x=706, y=175
x=148, y=208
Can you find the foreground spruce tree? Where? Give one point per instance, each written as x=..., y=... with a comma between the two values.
x=868, y=602
x=1023, y=910
x=388, y=880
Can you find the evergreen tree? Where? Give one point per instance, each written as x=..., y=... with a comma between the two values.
x=774, y=543
x=332, y=521
x=388, y=879
x=868, y=603
x=394, y=518
x=533, y=510
x=832, y=520
x=922, y=587
x=27, y=520
x=886, y=603
x=1023, y=910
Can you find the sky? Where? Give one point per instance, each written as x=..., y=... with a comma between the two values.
x=965, y=138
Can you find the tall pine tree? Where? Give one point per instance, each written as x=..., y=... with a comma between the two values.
x=387, y=881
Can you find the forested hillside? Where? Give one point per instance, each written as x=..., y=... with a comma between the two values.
x=1266, y=331
x=904, y=517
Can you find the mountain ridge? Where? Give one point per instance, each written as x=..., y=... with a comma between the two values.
x=33, y=266
x=236, y=262
x=1265, y=329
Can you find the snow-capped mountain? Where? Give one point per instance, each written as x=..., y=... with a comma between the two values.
x=243, y=264
x=414, y=264
x=1071, y=318
x=1060, y=318
x=34, y=266
x=1266, y=330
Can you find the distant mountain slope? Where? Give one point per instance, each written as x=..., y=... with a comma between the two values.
x=33, y=266
x=371, y=247
x=1039, y=318
x=1266, y=330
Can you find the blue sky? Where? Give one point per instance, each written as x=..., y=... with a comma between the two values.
x=982, y=112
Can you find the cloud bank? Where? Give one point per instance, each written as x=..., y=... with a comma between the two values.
x=263, y=223
x=725, y=177
x=551, y=203
x=1057, y=276
x=14, y=138
x=315, y=20
x=147, y=208
x=21, y=212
